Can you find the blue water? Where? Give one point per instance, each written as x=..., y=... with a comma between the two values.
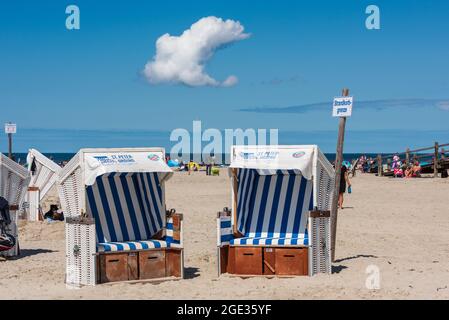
x=61, y=144
x=60, y=157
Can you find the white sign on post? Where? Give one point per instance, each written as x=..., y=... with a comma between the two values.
x=342, y=107
x=10, y=128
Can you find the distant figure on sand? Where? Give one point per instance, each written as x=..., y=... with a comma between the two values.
x=54, y=214
x=397, y=167
x=344, y=179
x=416, y=169
x=210, y=162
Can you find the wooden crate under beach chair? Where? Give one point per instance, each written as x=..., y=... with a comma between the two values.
x=123, y=232
x=280, y=221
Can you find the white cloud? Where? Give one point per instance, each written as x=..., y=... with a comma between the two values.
x=230, y=81
x=182, y=59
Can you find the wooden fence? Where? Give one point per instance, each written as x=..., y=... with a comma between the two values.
x=431, y=162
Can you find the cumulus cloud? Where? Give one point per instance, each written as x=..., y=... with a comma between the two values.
x=182, y=59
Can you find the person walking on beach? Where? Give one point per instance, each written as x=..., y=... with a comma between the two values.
x=210, y=162
x=344, y=179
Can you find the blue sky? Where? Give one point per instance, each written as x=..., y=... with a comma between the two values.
x=300, y=53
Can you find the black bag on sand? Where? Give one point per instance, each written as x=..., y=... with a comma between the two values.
x=7, y=241
x=444, y=174
x=4, y=211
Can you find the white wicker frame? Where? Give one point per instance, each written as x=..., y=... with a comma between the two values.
x=14, y=181
x=80, y=252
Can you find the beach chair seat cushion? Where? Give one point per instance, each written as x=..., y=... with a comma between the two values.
x=132, y=245
x=252, y=241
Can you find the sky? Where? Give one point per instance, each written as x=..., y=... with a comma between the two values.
x=266, y=64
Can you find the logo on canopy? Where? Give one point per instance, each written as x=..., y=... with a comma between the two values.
x=263, y=155
x=298, y=154
x=114, y=159
x=153, y=157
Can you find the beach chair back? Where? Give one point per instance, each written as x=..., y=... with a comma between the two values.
x=14, y=180
x=274, y=203
x=44, y=172
x=126, y=206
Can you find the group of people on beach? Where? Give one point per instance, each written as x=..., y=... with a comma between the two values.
x=192, y=166
x=404, y=170
x=363, y=164
x=397, y=167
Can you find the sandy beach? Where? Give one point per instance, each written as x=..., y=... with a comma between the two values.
x=399, y=225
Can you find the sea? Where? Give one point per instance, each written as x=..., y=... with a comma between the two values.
x=61, y=157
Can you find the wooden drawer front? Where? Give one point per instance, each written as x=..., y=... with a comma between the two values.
x=152, y=264
x=173, y=262
x=269, y=261
x=248, y=261
x=113, y=267
x=224, y=253
x=231, y=261
x=291, y=261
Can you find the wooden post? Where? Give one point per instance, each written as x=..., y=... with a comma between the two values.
x=379, y=165
x=338, y=163
x=407, y=156
x=436, y=160
x=10, y=145
x=235, y=186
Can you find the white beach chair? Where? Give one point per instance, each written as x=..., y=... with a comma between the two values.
x=117, y=226
x=280, y=219
x=14, y=181
x=44, y=175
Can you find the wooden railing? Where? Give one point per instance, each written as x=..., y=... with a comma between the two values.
x=437, y=158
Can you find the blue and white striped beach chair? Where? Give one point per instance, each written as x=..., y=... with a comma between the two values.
x=281, y=200
x=117, y=226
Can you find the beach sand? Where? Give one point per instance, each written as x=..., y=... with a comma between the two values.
x=398, y=225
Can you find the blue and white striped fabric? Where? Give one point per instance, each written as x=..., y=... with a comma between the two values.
x=131, y=245
x=169, y=234
x=270, y=241
x=224, y=230
x=126, y=206
x=273, y=206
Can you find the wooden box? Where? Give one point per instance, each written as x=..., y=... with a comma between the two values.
x=118, y=267
x=291, y=261
x=248, y=260
x=173, y=263
x=152, y=264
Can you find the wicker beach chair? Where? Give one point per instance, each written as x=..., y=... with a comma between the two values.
x=14, y=181
x=279, y=224
x=44, y=175
x=117, y=226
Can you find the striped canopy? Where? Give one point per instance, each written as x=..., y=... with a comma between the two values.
x=273, y=205
x=126, y=206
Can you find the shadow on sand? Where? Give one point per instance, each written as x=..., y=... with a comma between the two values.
x=356, y=257
x=338, y=269
x=31, y=252
x=191, y=273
